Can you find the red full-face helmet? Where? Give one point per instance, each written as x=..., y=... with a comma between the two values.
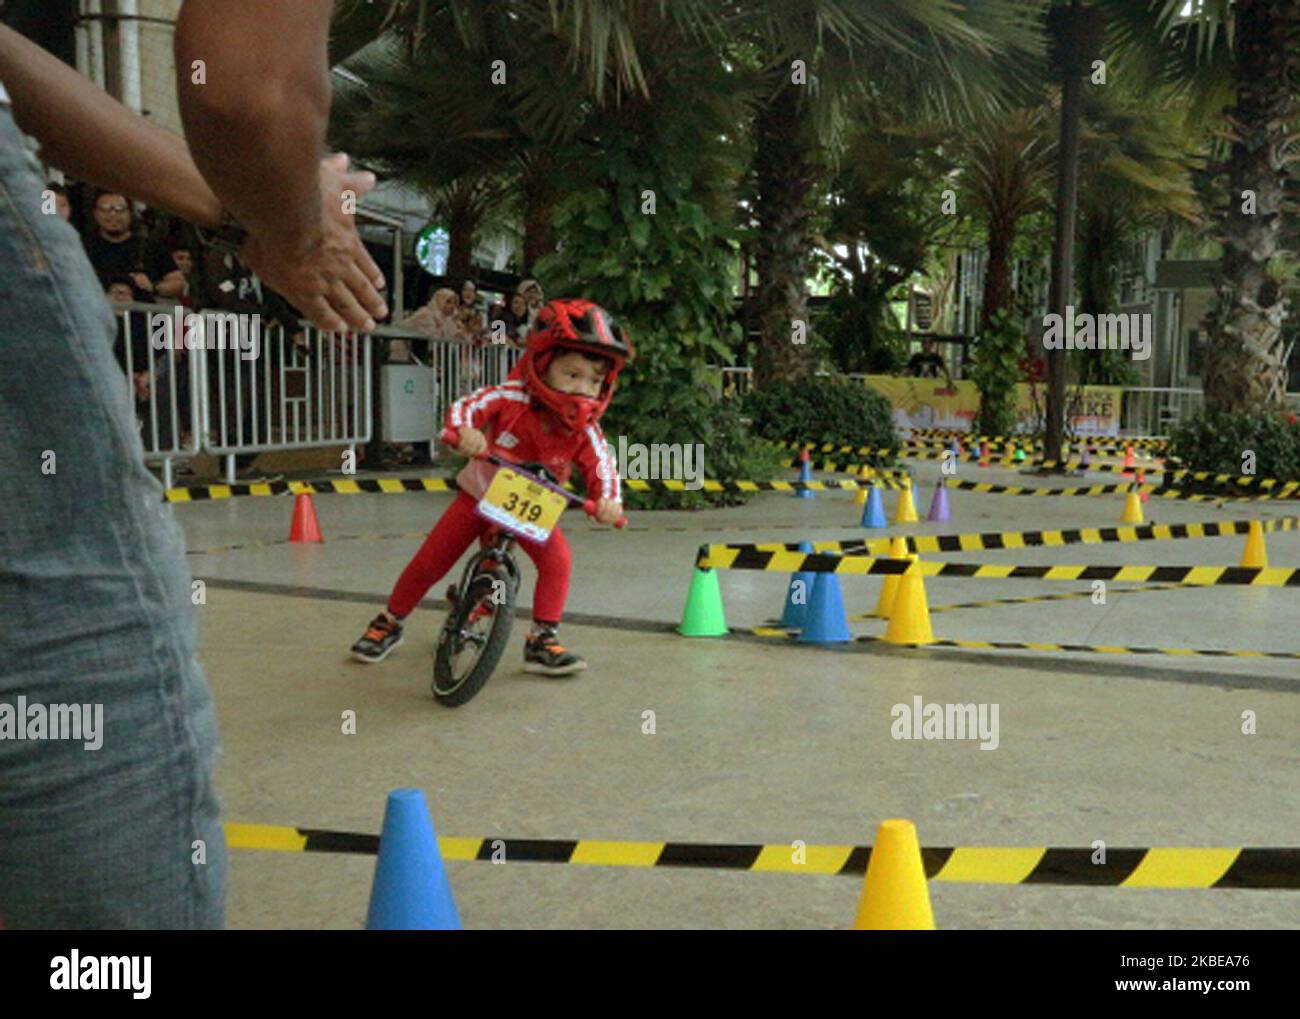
x=573, y=324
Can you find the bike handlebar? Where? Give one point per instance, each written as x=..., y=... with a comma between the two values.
x=450, y=437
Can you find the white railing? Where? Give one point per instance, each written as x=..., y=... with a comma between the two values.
x=224, y=384
x=164, y=386
x=1157, y=411
x=232, y=386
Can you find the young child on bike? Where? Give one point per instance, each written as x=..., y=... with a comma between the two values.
x=547, y=412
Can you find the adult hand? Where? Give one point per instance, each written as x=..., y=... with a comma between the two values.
x=330, y=276
x=142, y=282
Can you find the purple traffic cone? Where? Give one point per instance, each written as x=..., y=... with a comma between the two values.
x=939, y=503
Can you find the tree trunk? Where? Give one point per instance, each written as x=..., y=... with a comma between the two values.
x=1244, y=369
x=997, y=270
x=538, y=208
x=463, y=220
x=785, y=174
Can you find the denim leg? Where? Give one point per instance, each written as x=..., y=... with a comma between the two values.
x=95, y=609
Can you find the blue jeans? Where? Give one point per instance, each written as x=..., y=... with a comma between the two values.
x=95, y=610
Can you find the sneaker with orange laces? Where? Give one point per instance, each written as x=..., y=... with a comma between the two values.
x=381, y=636
x=545, y=656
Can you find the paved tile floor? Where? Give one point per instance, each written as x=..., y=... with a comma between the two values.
x=756, y=741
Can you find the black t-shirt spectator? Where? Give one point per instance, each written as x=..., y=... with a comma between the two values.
x=135, y=254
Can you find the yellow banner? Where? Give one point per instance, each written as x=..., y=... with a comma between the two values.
x=936, y=403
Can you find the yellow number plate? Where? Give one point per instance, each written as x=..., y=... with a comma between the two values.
x=521, y=506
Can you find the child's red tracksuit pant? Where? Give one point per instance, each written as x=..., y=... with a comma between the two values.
x=447, y=542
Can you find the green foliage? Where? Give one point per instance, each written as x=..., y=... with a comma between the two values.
x=665, y=274
x=1215, y=441
x=860, y=330
x=995, y=371
x=1104, y=368
x=825, y=409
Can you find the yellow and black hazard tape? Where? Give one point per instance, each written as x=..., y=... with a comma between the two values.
x=1029, y=599
x=1169, y=867
x=353, y=486
x=928, y=544
x=723, y=558
x=1290, y=490
x=1094, y=442
x=787, y=633
x=834, y=467
x=398, y=486
x=905, y=446
x=1230, y=480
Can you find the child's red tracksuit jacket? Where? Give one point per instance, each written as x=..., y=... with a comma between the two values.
x=521, y=430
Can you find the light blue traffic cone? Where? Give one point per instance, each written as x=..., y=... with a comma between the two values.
x=410, y=891
x=797, y=595
x=805, y=475
x=825, y=622
x=873, y=513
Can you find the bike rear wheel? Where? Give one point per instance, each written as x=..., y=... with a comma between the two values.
x=473, y=637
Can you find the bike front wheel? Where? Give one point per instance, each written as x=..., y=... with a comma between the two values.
x=473, y=637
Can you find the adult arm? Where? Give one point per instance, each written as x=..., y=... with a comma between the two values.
x=91, y=136
x=254, y=91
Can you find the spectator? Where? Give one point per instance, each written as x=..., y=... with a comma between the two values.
x=113, y=249
x=532, y=291
x=149, y=371
x=514, y=318
x=183, y=257
x=440, y=318
x=471, y=315
x=469, y=294
x=61, y=204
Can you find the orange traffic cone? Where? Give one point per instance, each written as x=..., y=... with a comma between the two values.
x=984, y=454
x=304, y=527
x=1128, y=462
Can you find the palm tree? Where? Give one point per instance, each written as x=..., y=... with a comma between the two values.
x=1007, y=165
x=934, y=54
x=1257, y=42
x=1137, y=157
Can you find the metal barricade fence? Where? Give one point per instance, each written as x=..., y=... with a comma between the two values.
x=222, y=383
x=268, y=390
x=1156, y=411
x=164, y=381
x=458, y=368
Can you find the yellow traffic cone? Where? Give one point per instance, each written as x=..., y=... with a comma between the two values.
x=909, y=616
x=895, y=896
x=888, y=589
x=860, y=496
x=1255, y=554
x=1133, y=508
x=906, y=512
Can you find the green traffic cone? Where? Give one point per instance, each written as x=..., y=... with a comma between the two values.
x=703, y=615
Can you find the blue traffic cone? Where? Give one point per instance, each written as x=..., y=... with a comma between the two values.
x=410, y=890
x=805, y=475
x=825, y=622
x=873, y=513
x=939, y=503
x=798, y=594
